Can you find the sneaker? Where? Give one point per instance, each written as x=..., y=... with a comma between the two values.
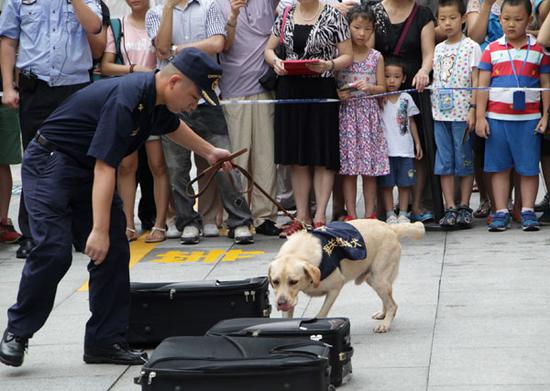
x=392, y=219
x=423, y=217
x=544, y=204
x=190, y=235
x=402, y=219
x=268, y=228
x=500, y=222
x=8, y=234
x=241, y=234
x=529, y=221
x=210, y=231
x=545, y=218
x=173, y=232
x=465, y=216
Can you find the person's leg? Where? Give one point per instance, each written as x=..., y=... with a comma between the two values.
x=529, y=190
x=404, y=194
x=210, y=204
x=349, y=186
x=146, y=205
x=369, y=195
x=6, y=185
x=178, y=163
x=301, y=180
x=157, y=164
x=445, y=161
x=418, y=189
x=126, y=187
x=338, y=201
x=500, y=182
x=323, y=180
x=47, y=194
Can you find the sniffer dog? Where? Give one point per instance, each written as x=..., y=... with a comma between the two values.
x=298, y=266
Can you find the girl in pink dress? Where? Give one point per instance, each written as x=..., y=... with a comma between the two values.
x=363, y=148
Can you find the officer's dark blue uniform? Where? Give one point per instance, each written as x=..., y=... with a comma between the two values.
x=107, y=121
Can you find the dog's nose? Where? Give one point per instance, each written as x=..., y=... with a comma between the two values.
x=282, y=301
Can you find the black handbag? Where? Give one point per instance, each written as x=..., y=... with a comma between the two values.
x=269, y=79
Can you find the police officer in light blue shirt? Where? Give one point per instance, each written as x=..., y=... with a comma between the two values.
x=46, y=41
x=69, y=175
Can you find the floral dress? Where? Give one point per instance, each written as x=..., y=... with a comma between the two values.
x=363, y=147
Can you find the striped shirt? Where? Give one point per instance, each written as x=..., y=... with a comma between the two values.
x=197, y=20
x=496, y=59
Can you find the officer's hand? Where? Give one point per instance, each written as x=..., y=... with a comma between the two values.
x=10, y=98
x=217, y=154
x=97, y=246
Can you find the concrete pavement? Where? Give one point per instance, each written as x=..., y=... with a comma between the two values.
x=473, y=313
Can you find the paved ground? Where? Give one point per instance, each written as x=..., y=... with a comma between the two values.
x=473, y=313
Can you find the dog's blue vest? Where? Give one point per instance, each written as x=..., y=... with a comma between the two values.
x=339, y=241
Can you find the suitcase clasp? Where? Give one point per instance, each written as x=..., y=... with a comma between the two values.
x=172, y=293
x=152, y=375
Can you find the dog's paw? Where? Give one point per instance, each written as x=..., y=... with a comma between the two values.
x=379, y=315
x=381, y=328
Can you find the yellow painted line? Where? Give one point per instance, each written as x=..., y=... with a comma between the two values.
x=138, y=250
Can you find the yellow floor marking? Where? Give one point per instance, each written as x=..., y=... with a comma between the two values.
x=138, y=250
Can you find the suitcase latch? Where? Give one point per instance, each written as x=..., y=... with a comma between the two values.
x=342, y=356
x=172, y=293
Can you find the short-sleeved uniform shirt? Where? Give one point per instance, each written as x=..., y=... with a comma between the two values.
x=109, y=119
x=396, y=124
x=496, y=59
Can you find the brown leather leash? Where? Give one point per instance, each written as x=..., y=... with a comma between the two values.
x=213, y=169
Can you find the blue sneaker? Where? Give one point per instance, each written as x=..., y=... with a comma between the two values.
x=501, y=222
x=423, y=217
x=529, y=221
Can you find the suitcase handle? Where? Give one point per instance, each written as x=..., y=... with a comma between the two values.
x=346, y=355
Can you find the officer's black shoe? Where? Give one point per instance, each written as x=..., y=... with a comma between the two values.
x=25, y=248
x=115, y=354
x=268, y=228
x=12, y=349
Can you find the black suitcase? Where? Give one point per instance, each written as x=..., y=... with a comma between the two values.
x=236, y=363
x=161, y=310
x=333, y=331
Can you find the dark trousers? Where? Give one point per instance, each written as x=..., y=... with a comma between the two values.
x=58, y=192
x=37, y=102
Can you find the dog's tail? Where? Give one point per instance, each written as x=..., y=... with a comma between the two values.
x=414, y=231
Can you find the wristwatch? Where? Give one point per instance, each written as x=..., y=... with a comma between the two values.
x=173, y=49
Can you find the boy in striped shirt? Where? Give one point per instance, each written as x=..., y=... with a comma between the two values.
x=511, y=121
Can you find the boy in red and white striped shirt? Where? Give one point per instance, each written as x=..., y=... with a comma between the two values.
x=511, y=121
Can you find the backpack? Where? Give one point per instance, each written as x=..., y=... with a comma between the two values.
x=116, y=28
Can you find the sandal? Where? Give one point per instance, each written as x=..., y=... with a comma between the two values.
x=152, y=238
x=483, y=210
x=450, y=218
x=290, y=229
x=464, y=216
x=131, y=234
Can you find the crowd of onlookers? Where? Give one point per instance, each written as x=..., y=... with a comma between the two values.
x=435, y=144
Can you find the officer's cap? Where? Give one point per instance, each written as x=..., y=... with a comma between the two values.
x=201, y=69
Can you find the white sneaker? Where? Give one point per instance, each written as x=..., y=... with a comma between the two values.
x=210, y=231
x=190, y=235
x=402, y=219
x=392, y=219
x=242, y=235
x=172, y=232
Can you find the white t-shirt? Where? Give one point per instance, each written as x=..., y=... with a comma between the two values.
x=453, y=64
x=395, y=120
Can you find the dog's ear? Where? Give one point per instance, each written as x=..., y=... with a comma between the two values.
x=269, y=276
x=313, y=273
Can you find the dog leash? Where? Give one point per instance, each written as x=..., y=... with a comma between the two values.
x=214, y=168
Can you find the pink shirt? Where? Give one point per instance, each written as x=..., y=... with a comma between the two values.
x=135, y=45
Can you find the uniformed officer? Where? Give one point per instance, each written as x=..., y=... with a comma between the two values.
x=54, y=58
x=69, y=173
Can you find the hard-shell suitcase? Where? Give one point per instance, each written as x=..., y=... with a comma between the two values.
x=333, y=331
x=161, y=310
x=236, y=363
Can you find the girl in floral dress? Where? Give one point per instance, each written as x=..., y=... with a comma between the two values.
x=363, y=148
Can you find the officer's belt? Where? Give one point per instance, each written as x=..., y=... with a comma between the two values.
x=51, y=147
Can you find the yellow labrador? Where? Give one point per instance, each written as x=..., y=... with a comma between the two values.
x=296, y=268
